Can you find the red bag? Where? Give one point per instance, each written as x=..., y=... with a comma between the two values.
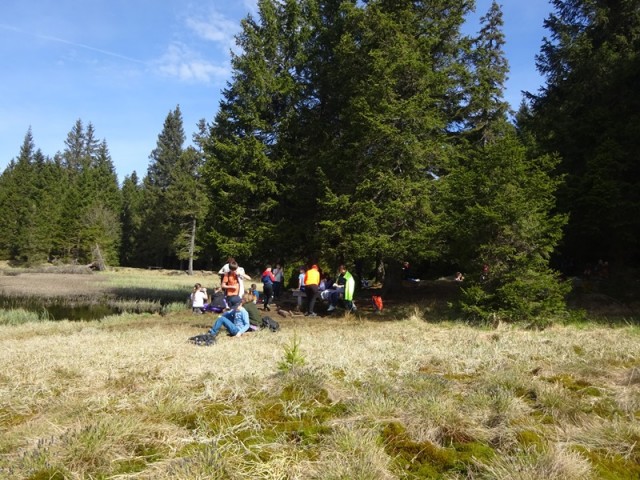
x=377, y=302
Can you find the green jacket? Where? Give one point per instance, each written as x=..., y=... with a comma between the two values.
x=254, y=314
x=349, y=286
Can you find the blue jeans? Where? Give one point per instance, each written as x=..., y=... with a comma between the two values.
x=228, y=324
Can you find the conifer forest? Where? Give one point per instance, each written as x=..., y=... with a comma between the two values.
x=370, y=132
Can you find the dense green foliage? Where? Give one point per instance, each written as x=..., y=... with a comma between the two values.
x=369, y=133
x=588, y=113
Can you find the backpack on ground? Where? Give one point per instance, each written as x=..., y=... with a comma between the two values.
x=204, y=340
x=270, y=323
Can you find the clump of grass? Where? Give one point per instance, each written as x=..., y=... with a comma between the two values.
x=20, y=316
x=352, y=453
x=554, y=463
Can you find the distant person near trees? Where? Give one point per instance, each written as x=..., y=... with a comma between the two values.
x=344, y=287
x=301, y=273
x=311, y=282
x=278, y=273
x=198, y=298
x=267, y=287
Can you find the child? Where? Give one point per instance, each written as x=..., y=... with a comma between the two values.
x=198, y=299
x=236, y=320
x=255, y=292
x=218, y=303
x=267, y=286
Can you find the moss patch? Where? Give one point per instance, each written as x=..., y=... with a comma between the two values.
x=427, y=460
x=611, y=467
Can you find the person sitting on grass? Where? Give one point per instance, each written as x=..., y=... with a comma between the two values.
x=236, y=320
x=249, y=304
x=198, y=298
x=218, y=303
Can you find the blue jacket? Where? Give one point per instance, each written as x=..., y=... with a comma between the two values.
x=239, y=317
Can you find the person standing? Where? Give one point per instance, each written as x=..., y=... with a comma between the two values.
x=240, y=273
x=242, y=276
x=311, y=282
x=267, y=287
x=230, y=281
x=278, y=273
x=302, y=272
x=225, y=268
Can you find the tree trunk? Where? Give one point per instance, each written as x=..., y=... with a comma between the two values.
x=192, y=245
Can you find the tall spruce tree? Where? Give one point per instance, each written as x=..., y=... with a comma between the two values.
x=401, y=61
x=486, y=106
x=499, y=201
x=188, y=200
x=589, y=112
x=245, y=158
x=131, y=220
x=337, y=112
x=501, y=205
x=157, y=230
x=18, y=201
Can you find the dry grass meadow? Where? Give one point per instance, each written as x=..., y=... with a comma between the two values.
x=399, y=396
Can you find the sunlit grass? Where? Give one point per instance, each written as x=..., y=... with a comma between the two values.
x=129, y=397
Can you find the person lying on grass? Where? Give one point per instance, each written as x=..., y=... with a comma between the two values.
x=236, y=320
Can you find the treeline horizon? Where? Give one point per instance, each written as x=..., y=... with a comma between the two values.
x=370, y=133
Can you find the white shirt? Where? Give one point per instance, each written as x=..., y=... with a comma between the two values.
x=198, y=298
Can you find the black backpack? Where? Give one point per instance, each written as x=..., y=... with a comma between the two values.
x=204, y=340
x=270, y=323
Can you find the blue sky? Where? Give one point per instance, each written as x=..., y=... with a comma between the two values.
x=124, y=64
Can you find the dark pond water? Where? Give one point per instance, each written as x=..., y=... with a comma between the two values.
x=79, y=312
x=60, y=309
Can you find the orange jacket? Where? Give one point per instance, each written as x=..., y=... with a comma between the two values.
x=312, y=277
x=231, y=279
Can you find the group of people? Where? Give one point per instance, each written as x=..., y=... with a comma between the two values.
x=315, y=284
x=238, y=308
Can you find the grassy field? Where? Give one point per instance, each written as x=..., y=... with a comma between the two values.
x=405, y=395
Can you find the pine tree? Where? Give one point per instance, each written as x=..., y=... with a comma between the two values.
x=501, y=205
x=101, y=223
x=404, y=84
x=168, y=149
x=245, y=159
x=130, y=219
x=489, y=68
x=157, y=231
x=588, y=111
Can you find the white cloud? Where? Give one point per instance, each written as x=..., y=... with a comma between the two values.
x=215, y=27
x=186, y=65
